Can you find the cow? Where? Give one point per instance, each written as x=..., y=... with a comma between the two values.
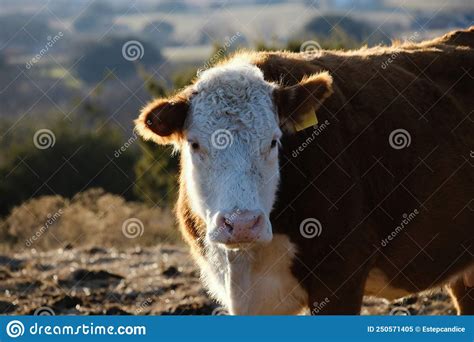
x=308, y=180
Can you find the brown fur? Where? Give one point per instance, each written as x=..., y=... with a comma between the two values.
x=463, y=296
x=359, y=188
x=295, y=101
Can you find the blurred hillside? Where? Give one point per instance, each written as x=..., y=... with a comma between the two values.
x=75, y=73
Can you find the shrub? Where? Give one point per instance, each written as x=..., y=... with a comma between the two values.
x=80, y=158
x=90, y=218
x=156, y=175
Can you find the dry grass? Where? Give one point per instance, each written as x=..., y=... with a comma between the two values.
x=92, y=218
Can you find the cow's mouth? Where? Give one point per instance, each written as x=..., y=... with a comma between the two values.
x=239, y=246
x=237, y=231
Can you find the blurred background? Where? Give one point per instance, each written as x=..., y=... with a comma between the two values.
x=73, y=77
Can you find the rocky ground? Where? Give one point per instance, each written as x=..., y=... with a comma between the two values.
x=159, y=280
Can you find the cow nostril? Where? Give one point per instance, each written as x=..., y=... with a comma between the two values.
x=228, y=224
x=258, y=222
x=241, y=221
x=224, y=222
x=241, y=226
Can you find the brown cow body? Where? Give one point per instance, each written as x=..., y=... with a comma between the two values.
x=393, y=220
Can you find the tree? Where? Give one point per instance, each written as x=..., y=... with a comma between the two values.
x=159, y=31
x=80, y=158
x=335, y=28
x=156, y=174
x=95, y=18
x=116, y=55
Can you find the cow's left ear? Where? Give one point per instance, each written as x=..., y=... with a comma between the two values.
x=297, y=105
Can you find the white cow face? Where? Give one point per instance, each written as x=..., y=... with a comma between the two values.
x=231, y=154
x=227, y=127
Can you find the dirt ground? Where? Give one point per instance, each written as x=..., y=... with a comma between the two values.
x=159, y=280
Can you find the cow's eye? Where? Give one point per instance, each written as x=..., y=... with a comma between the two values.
x=195, y=146
x=274, y=143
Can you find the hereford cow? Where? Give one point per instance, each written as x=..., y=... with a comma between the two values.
x=308, y=180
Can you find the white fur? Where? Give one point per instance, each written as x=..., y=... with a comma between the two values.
x=257, y=281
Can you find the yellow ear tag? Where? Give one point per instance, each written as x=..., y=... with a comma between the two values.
x=308, y=119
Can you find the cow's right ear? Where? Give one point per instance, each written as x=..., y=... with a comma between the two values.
x=163, y=119
x=298, y=104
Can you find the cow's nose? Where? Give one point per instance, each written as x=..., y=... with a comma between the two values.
x=242, y=226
